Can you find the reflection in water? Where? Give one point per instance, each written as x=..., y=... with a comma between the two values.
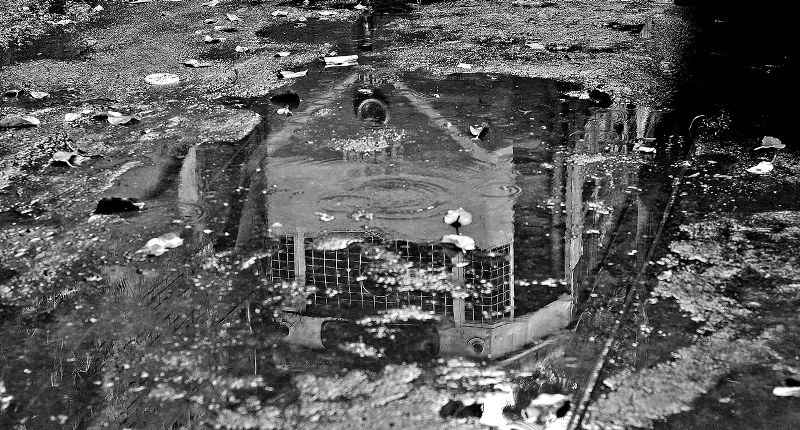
x=222, y=331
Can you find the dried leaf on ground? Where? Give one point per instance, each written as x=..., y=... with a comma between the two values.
x=769, y=142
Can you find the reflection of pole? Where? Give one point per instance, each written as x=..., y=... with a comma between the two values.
x=556, y=235
x=574, y=223
x=511, y=276
x=300, y=265
x=458, y=279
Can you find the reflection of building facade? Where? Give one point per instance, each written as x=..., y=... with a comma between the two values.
x=407, y=190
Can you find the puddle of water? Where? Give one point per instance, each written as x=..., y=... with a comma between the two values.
x=314, y=246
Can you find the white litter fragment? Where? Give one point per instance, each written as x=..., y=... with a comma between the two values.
x=161, y=244
x=280, y=13
x=324, y=217
x=761, y=168
x=162, y=79
x=69, y=117
x=464, y=66
x=287, y=74
x=465, y=243
x=341, y=61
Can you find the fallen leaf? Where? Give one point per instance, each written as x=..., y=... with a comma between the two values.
x=19, y=122
x=287, y=74
x=761, y=168
x=231, y=17
x=195, y=63
x=211, y=39
x=341, y=61
x=280, y=13
x=39, y=94
x=769, y=142
x=122, y=120
x=284, y=111
x=458, y=217
x=162, y=79
x=240, y=48
x=464, y=243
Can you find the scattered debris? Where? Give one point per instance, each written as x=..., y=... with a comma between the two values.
x=122, y=120
x=289, y=100
x=324, y=217
x=39, y=94
x=232, y=18
x=536, y=45
x=161, y=244
x=464, y=66
x=240, y=48
x=341, y=61
x=357, y=215
x=225, y=28
x=282, y=54
x=71, y=116
x=600, y=98
x=359, y=7
x=195, y=63
x=328, y=12
x=769, y=142
x=162, y=79
x=69, y=158
x=288, y=74
x=212, y=39
x=110, y=205
x=335, y=242
x=284, y=111
x=458, y=218
x=211, y=3
x=280, y=13
x=645, y=149
x=479, y=132
x=791, y=388
x=761, y=168
x=19, y=122
x=464, y=243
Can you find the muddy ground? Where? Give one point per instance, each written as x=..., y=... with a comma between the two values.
x=738, y=338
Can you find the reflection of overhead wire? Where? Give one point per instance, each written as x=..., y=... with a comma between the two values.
x=591, y=385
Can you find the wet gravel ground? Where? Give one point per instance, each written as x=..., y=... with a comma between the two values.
x=719, y=363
